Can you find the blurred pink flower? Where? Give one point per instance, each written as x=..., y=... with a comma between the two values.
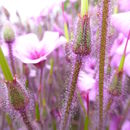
x=29, y=49
x=124, y=5
x=72, y=1
x=87, y=84
x=114, y=122
x=117, y=51
x=126, y=125
x=121, y=22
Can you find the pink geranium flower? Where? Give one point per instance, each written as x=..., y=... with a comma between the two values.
x=121, y=22
x=87, y=84
x=29, y=49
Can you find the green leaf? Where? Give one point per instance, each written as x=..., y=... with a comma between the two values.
x=86, y=123
x=66, y=32
x=5, y=67
x=121, y=63
x=37, y=112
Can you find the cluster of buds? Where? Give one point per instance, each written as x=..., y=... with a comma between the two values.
x=82, y=40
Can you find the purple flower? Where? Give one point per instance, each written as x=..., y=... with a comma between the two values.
x=121, y=22
x=29, y=49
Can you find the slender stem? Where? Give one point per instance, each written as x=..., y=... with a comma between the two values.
x=77, y=67
x=66, y=31
x=25, y=119
x=84, y=7
x=124, y=54
x=11, y=59
x=102, y=59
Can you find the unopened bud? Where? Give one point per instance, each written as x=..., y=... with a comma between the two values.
x=115, y=86
x=17, y=96
x=9, y=35
x=82, y=41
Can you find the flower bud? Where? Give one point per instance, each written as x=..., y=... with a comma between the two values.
x=9, y=35
x=82, y=40
x=17, y=96
x=115, y=86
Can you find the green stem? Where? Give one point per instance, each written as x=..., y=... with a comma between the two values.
x=84, y=7
x=5, y=67
x=77, y=67
x=102, y=59
x=124, y=55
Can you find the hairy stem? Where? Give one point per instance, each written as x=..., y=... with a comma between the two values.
x=102, y=59
x=11, y=59
x=77, y=67
x=25, y=119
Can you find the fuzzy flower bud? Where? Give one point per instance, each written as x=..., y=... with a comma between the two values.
x=17, y=96
x=115, y=86
x=82, y=40
x=9, y=35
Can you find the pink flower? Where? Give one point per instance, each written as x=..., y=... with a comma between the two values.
x=87, y=84
x=117, y=51
x=126, y=125
x=29, y=49
x=114, y=122
x=124, y=5
x=73, y=1
x=121, y=22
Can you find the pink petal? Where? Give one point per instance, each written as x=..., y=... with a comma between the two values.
x=85, y=82
x=127, y=65
x=51, y=41
x=120, y=49
x=115, y=61
x=117, y=43
x=121, y=22
x=126, y=125
x=124, y=5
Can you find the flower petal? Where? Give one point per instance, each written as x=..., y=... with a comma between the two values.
x=121, y=22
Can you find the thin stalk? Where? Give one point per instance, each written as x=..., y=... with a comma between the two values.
x=102, y=59
x=66, y=31
x=84, y=7
x=25, y=119
x=124, y=54
x=11, y=59
x=77, y=67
